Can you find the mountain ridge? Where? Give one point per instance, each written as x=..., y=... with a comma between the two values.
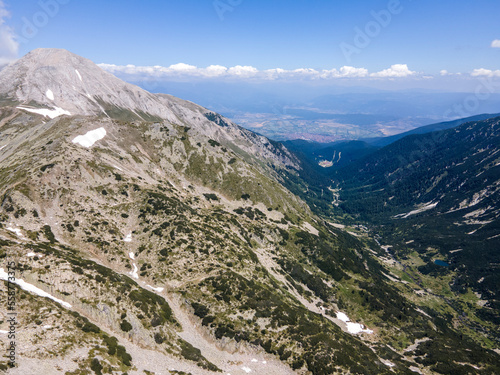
x=54, y=82
x=176, y=242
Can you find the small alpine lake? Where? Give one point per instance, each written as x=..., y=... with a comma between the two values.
x=441, y=263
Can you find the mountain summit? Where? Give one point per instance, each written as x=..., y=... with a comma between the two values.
x=55, y=82
x=58, y=78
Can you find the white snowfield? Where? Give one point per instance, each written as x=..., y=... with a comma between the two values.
x=131, y=255
x=51, y=113
x=90, y=137
x=32, y=289
x=342, y=316
x=353, y=328
x=49, y=94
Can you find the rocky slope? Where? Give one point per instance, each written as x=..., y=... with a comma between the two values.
x=153, y=236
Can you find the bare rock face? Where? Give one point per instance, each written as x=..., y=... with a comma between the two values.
x=56, y=77
x=56, y=82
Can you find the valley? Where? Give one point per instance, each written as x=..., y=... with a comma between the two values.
x=159, y=237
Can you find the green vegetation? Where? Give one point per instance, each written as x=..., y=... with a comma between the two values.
x=191, y=353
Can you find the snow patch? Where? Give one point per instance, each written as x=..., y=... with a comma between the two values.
x=1, y=148
x=4, y=332
x=353, y=328
x=356, y=328
x=49, y=94
x=131, y=255
x=425, y=207
x=47, y=327
x=31, y=255
x=254, y=360
x=90, y=137
x=128, y=238
x=159, y=290
x=52, y=113
x=16, y=231
x=134, y=272
x=79, y=75
x=246, y=369
x=342, y=316
x=33, y=289
x=388, y=363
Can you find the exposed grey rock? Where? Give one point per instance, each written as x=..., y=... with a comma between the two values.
x=56, y=79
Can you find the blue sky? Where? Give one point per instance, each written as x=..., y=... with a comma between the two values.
x=425, y=41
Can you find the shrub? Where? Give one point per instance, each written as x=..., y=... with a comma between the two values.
x=125, y=326
x=159, y=339
x=211, y=197
x=96, y=366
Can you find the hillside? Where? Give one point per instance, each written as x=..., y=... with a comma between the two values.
x=148, y=235
x=436, y=196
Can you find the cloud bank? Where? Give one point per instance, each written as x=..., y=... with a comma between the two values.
x=182, y=70
x=395, y=71
x=485, y=73
x=8, y=44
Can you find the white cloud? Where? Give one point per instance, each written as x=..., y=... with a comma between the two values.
x=350, y=71
x=344, y=72
x=495, y=43
x=395, y=71
x=8, y=44
x=182, y=70
x=485, y=73
x=242, y=71
x=215, y=71
x=445, y=73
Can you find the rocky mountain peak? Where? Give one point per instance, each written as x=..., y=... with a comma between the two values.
x=66, y=83
x=56, y=82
